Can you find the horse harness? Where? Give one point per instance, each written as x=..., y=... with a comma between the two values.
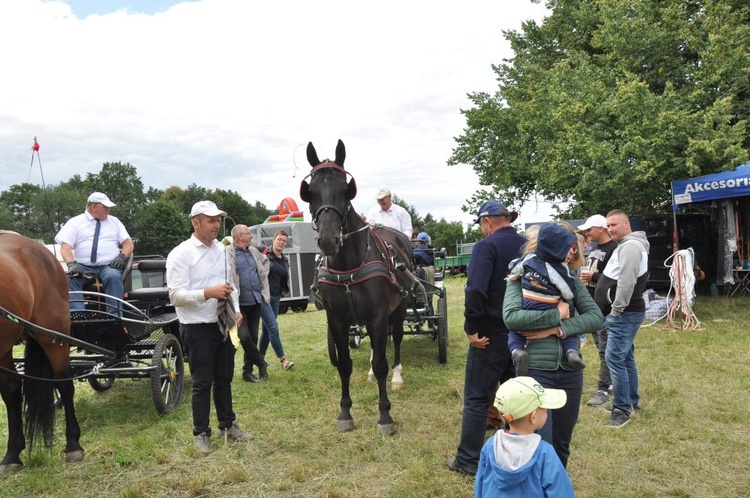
x=382, y=267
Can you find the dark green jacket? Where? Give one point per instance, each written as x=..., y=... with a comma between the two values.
x=547, y=353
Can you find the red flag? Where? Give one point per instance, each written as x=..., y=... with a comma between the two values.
x=35, y=147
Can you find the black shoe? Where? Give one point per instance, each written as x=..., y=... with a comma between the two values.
x=451, y=463
x=263, y=371
x=574, y=359
x=520, y=362
x=249, y=377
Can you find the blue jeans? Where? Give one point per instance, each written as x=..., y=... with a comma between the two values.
x=211, y=366
x=111, y=279
x=268, y=313
x=621, y=331
x=485, y=368
x=558, y=430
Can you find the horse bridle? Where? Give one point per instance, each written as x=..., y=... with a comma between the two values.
x=327, y=164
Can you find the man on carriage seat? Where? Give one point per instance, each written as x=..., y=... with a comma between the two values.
x=424, y=257
x=95, y=244
x=388, y=214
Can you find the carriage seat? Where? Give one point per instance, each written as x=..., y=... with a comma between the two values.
x=154, y=280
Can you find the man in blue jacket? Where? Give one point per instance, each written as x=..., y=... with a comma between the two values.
x=488, y=360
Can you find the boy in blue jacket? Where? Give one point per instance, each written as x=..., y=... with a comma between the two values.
x=516, y=462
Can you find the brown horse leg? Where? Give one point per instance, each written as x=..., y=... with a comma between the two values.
x=397, y=333
x=10, y=389
x=73, y=450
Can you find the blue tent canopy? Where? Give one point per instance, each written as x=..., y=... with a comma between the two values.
x=717, y=186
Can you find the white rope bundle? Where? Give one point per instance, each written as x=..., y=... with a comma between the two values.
x=682, y=276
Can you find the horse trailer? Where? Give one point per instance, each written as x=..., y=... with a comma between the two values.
x=302, y=252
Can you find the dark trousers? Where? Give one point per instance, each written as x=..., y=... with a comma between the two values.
x=558, y=430
x=248, y=333
x=484, y=369
x=211, y=366
x=605, y=380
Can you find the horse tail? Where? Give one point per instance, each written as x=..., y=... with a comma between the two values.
x=38, y=395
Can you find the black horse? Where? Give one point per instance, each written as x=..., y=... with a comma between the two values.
x=363, y=279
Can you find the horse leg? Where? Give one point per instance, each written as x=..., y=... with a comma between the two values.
x=345, y=420
x=10, y=389
x=380, y=366
x=371, y=374
x=73, y=449
x=397, y=332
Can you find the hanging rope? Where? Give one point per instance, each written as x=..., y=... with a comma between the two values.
x=683, y=281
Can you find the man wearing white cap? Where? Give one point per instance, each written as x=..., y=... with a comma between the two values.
x=198, y=278
x=95, y=243
x=595, y=230
x=389, y=214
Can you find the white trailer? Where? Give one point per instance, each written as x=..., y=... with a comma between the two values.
x=302, y=251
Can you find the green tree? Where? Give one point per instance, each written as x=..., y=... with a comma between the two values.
x=606, y=102
x=444, y=234
x=20, y=200
x=162, y=226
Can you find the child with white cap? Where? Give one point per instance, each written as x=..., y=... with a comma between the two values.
x=516, y=462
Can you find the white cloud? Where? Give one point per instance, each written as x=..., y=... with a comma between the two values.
x=222, y=92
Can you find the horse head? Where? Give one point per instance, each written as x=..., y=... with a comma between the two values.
x=329, y=195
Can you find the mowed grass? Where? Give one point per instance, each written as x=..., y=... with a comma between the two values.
x=690, y=439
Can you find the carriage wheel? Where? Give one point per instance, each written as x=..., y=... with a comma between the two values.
x=101, y=384
x=442, y=323
x=355, y=341
x=167, y=377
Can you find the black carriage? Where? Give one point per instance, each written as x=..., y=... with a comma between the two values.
x=427, y=312
x=143, y=343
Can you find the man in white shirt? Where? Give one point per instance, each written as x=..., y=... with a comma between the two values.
x=95, y=243
x=389, y=214
x=198, y=277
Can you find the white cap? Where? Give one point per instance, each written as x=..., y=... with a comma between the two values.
x=382, y=192
x=101, y=199
x=206, y=207
x=594, y=221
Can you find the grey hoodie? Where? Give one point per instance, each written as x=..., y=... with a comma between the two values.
x=624, y=279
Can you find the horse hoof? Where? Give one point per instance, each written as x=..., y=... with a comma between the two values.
x=371, y=377
x=346, y=425
x=387, y=429
x=10, y=468
x=397, y=385
x=74, y=456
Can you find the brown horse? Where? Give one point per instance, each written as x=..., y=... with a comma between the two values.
x=33, y=287
x=364, y=278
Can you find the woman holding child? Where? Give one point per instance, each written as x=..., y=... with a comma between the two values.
x=544, y=329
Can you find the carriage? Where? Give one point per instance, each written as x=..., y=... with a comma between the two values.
x=423, y=316
x=141, y=344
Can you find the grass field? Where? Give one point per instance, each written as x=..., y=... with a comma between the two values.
x=691, y=438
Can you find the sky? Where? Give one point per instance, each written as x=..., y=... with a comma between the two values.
x=227, y=93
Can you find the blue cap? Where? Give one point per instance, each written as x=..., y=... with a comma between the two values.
x=423, y=236
x=495, y=208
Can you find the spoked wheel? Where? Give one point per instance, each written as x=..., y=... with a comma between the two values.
x=101, y=384
x=442, y=323
x=168, y=376
x=355, y=341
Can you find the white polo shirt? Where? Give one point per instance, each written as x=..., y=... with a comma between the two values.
x=395, y=217
x=79, y=231
x=191, y=267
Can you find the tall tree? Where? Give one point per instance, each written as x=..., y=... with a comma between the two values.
x=161, y=227
x=606, y=102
